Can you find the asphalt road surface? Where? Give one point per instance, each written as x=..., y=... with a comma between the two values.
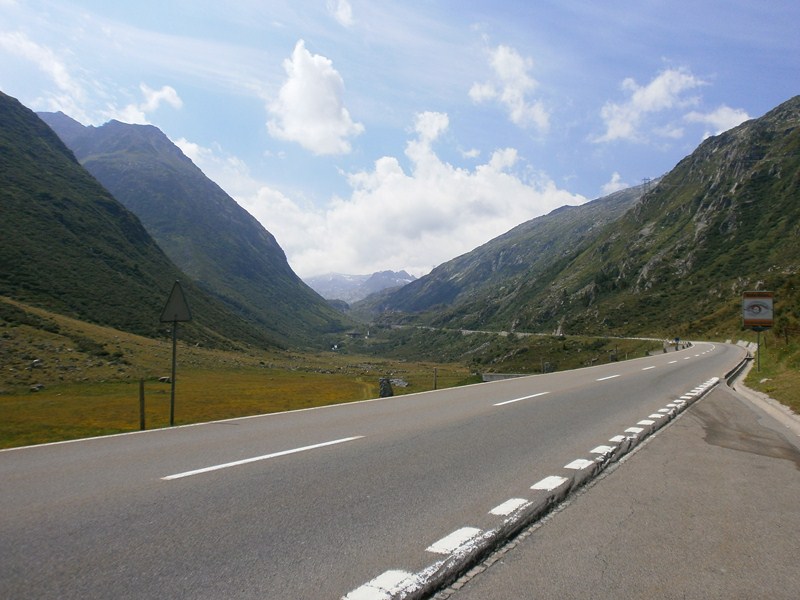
x=707, y=511
x=319, y=503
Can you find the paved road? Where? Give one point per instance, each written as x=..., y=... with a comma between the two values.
x=707, y=509
x=311, y=504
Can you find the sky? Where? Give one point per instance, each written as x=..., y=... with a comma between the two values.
x=371, y=135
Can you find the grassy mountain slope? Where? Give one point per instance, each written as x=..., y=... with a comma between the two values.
x=69, y=246
x=202, y=229
x=472, y=288
x=724, y=220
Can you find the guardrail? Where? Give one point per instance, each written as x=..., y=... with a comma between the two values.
x=731, y=375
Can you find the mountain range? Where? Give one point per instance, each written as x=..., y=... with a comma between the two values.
x=671, y=256
x=67, y=245
x=216, y=242
x=102, y=229
x=352, y=288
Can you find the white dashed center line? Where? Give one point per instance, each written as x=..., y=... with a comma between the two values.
x=520, y=399
x=606, y=378
x=258, y=458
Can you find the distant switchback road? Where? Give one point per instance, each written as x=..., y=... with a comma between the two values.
x=343, y=500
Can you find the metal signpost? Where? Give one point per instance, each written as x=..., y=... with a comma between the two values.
x=176, y=309
x=757, y=314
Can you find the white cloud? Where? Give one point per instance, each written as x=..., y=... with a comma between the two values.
x=76, y=95
x=341, y=11
x=667, y=91
x=395, y=219
x=71, y=94
x=137, y=113
x=45, y=60
x=511, y=87
x=310, y=109
x=430, y=125
x=722, y=119
x=616, y=184
x=154, y=98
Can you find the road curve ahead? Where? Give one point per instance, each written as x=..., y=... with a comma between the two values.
x=362, y=500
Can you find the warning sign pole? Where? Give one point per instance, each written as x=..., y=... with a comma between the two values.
x=174, y=369
x=176, y=309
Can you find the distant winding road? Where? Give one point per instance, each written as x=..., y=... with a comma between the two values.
x=346, y=500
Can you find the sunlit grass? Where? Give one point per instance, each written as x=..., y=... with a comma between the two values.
x=78, y=410
x=779, y=376
x=88, y=380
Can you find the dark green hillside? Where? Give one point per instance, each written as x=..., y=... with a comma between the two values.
x=67, y=245
x=202, y=229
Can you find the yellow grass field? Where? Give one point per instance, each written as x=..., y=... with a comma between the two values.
x=77, y=410
x=88, y=376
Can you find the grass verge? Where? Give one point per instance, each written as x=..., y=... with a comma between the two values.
x=779, y=375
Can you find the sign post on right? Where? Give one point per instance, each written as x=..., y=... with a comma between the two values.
x=757, y=314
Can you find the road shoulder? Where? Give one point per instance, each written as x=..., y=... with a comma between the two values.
x=708, y=508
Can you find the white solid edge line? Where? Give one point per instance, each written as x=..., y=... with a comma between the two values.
x=258, y=458
x=520, y=399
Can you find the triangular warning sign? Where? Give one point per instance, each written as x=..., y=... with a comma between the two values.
x=176, y=309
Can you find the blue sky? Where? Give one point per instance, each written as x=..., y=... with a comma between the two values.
x=372, y=135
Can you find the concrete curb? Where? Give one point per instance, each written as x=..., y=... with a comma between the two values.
x=780, y=412
x=544, y=497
